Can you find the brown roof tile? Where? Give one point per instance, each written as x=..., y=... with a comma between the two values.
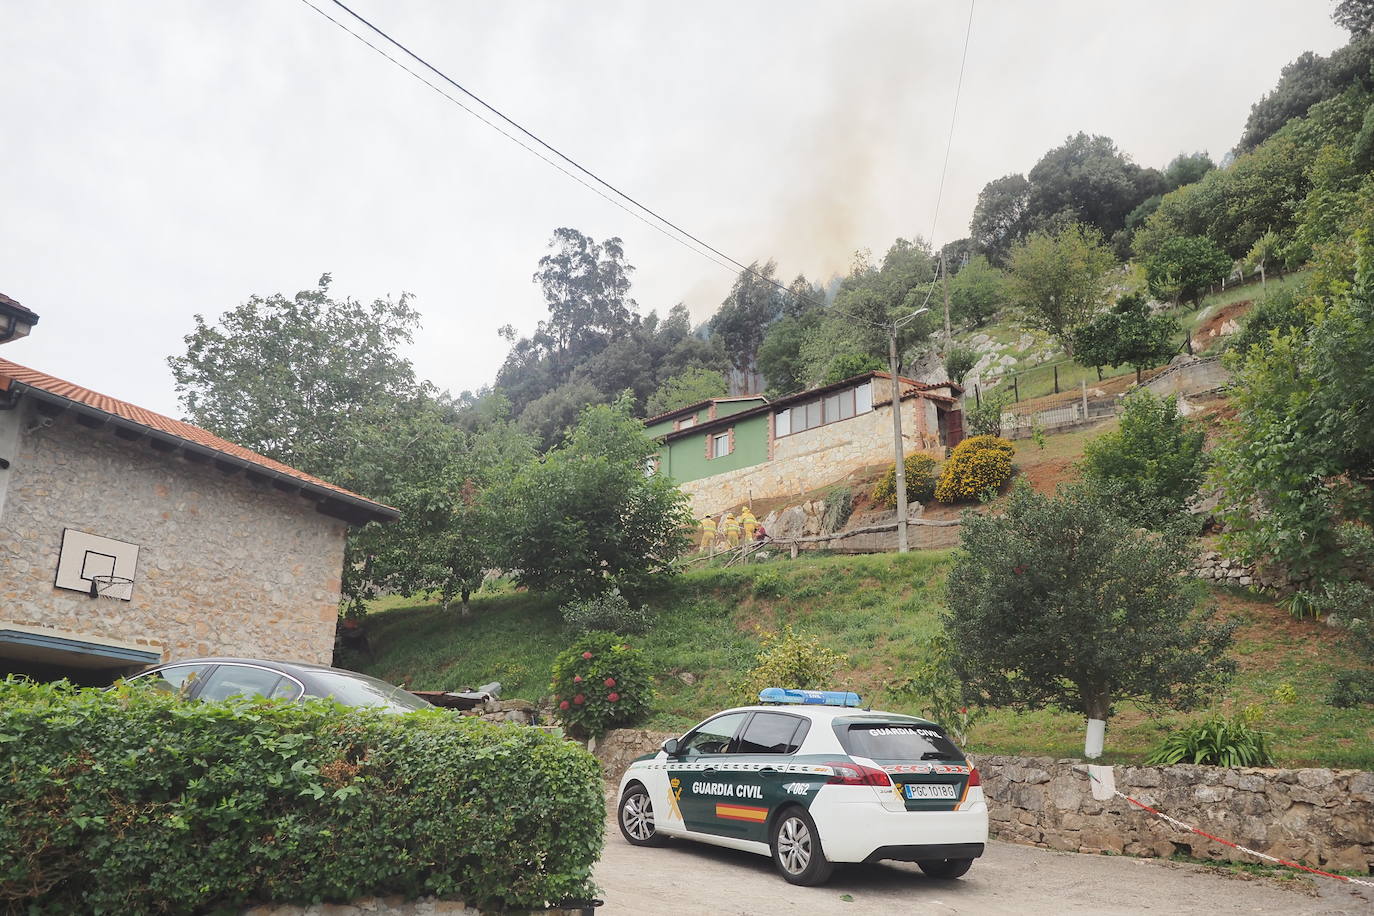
x=11, y=373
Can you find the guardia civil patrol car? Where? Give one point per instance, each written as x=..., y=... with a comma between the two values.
x=812, y=779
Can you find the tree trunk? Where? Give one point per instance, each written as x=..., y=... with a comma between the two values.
x=467, y=609
x=1096, y=706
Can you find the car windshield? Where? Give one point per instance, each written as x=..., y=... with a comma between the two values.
x=361, y=690
x=897, y=741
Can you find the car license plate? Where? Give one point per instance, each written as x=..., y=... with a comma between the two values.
x=928, y=790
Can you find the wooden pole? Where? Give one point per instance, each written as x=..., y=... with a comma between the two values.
x=1056, y=379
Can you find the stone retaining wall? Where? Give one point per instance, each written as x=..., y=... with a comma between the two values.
x=1320, y=817
x=1324, y=818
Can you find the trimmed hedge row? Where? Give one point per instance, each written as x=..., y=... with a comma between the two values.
x=133, y=801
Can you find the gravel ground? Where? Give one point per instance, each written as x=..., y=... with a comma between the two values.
x=693, y=878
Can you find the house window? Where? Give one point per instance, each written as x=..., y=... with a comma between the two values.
x=863, y=398
x=720, y=444
x=687, y=422
x=843, y=405
x=651, y=466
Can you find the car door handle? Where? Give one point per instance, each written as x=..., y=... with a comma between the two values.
x=708, y=769
x=768, y=769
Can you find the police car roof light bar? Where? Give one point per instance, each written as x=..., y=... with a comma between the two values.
x=809, y=697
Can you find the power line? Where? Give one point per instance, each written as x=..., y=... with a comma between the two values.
x=559, y=153
x=514, y=139
x=597, y=178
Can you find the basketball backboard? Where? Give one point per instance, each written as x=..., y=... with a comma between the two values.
x=85, y=556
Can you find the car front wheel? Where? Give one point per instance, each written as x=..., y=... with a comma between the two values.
x=636, y=818
x=797, y=851
x=945, y=868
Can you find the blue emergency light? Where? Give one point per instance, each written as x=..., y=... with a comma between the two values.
x=809, y=697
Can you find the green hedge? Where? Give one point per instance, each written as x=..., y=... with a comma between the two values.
x=132, y=801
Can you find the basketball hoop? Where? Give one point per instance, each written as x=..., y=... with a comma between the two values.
x=117, y=587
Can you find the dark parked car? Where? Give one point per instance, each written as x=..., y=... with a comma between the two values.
x=221, y=678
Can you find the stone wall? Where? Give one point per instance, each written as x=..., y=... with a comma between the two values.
x=1222, y=570
x=804, y=461
x=225, y=566
x=1323, y=818
x=1320, y=817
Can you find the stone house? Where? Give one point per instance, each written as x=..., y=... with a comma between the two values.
x=129, y=538
x=728, y=451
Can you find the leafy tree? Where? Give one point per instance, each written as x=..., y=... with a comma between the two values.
x=1311, y=79
x=1088, y=180
x=586, y=285
x=870, y=297
x=450, y=529
x=743, y=318
x=1058, y=280
x=1190, y=262
x=585, y=517
x=1355, y=16
x=959, y=362
x=1264, y=252
x=691, y=387
x=780, y=358
x=1086, y=612
x=1126, y=334
x=1153, y=461
x=549, y=417
x=1001, y=217
x=984, y=418
x=1187, y=168
x=977, y=292
x=780, y=355
x=1299, y=460
x=848, y=365
x=293, y=378
x=318, y=383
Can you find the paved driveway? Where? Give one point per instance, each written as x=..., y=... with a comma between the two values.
x=691, y=878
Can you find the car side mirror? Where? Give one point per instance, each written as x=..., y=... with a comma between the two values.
x=670, y=747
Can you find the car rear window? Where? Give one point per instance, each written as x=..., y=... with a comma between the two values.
x=897, y=741
x=361, y=690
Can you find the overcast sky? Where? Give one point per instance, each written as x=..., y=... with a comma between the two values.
x=169, y=157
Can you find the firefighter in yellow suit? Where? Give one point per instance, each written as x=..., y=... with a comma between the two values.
x=749, y=524
x=708, y=533
x=730, y=525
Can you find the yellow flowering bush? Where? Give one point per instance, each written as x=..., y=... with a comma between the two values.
x=977, y=468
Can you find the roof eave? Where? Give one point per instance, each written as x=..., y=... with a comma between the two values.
x=353, y=509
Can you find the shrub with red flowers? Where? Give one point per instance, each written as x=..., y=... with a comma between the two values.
x=600, y=682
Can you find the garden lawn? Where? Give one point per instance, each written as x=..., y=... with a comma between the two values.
x=879, y=610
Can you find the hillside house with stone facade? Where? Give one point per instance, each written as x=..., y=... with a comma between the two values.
x=728, y=451
x=193, y=545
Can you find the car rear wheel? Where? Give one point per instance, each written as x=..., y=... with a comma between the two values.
x=797, y=851
x=945, y=868
x=636, y=817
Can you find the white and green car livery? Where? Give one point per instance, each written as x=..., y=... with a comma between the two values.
x=812, y=780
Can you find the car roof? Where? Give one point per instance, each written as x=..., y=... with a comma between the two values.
x=285, y=667
x=816, y=711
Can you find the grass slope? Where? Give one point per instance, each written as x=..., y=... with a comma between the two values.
x=880, y=610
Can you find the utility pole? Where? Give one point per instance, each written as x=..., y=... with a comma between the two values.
x=898, y=447
x=899, y=469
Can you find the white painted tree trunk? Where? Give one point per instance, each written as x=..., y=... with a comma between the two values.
x=1097, y=732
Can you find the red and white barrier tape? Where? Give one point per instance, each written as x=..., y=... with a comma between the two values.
x=1259, y=855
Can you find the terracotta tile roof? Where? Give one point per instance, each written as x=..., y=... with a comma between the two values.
x=12, y=373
